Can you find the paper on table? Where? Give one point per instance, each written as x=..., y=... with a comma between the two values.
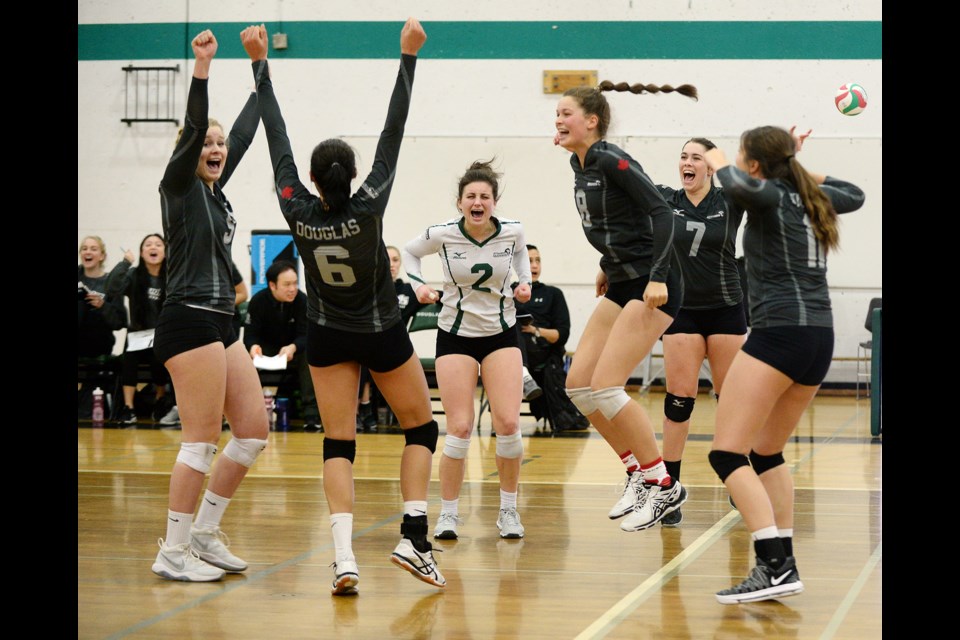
x=140, y=340
x=273, y=363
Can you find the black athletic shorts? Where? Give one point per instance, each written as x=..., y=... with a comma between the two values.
x=181, y=328
x=381, y=351
x=801, y=353
x=623, y=292
x=708, y=322
x=476, y=348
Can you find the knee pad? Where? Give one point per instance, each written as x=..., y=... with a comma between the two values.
x=197, y=455
x=511, y=446
x=244, y=450
x=677, y=408
x=610, y=401
x=765, y=463
x=456, y=448
x=425, y=435
x=582, y=399
x=725, y=462
x=339, y=449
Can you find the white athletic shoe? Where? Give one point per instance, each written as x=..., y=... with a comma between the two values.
x=346, y=577
x=632, y=490
x=421, y=565
x=181, y=562
x=657, y=502
x=446, y=528
x=509, y=524
x=213, y=546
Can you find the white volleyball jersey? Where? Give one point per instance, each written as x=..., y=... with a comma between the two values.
x=477, y=296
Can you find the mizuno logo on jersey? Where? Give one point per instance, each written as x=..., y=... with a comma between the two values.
x=678, y=212
x=458, y=255
x=718, y=214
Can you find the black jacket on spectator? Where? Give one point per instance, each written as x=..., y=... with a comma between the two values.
x=273, y=324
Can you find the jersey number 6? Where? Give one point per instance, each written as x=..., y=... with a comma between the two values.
x=334, y=274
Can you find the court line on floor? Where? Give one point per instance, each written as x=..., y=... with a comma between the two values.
x=841, y=613
x=246, y=579
x=614, y=616
x=619, y=612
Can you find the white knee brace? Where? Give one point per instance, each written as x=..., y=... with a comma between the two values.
x=610, y=401
x=244, y=451
x=456, y=448
x=197, y=455
x=582, y=399
x=511, y=446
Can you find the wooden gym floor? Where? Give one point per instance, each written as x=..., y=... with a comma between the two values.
x=574, y=575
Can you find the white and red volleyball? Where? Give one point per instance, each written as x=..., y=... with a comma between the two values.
x=851, y=99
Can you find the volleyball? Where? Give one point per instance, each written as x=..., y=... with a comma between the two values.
x=851, y=99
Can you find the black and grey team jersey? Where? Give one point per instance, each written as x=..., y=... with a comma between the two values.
x=623, y=214
x=704, y=243
x=198, y=223
x=786, y=266
x=348, y=270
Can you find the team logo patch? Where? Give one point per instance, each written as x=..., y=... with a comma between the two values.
x=286, y=193
x=623, y=165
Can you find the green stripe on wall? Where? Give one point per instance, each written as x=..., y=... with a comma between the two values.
x=506, y=40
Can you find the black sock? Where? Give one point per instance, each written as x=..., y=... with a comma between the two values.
x=787, y=545
x=414, y=529
x=770, y=551
x=673, y=468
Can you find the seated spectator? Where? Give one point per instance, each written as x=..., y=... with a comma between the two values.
x=277, y=325
x=144, y=286
x=545, y=338
x=98, y=316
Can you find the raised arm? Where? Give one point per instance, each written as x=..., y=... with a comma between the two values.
x=375, y=190
x=287, y=180
x=182, y=167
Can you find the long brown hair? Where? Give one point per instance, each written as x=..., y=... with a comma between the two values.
x=594, y=103
x=774, y=150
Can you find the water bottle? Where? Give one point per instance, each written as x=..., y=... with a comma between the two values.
x=97, y=413
x=283, y=414
x=269, y=405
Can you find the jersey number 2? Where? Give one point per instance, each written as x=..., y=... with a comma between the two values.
x=486, y=270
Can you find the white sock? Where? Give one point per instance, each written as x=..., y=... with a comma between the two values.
x=341, y=526
x=450, y=506
x=211, y=510
x=178, y=528
x=764, y=534
x=508, y=500
x=526, y=373
x=415, y=507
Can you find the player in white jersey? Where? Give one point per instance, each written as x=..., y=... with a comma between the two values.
x=476, y=327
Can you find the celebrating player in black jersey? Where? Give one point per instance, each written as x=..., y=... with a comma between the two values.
x=195, y=338
x=711, y=324
x=791, y=224
x=352, y=309
x=627, y=220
